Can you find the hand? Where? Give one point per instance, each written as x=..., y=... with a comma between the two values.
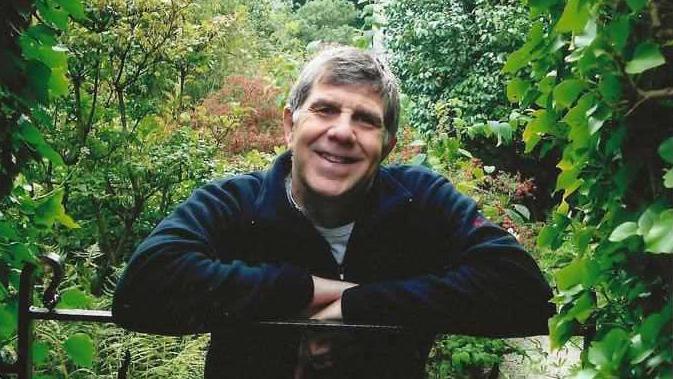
x=326, y=292
x=330, y=312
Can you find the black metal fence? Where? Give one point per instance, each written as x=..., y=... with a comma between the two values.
x=28, y=314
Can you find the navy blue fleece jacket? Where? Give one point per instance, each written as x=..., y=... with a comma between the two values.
x=422, y=254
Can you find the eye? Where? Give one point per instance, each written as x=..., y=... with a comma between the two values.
x=325, y=110
x=368, y=121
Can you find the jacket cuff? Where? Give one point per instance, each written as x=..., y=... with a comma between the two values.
x=357, y=307
x=294, y=290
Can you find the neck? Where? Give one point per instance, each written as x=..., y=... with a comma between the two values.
x=328, y=213
x=325, y=212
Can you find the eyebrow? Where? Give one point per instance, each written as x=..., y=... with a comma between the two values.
x=359, y=113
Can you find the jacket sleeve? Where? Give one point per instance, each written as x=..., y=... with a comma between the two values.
x=492, y=287
x=182, y=280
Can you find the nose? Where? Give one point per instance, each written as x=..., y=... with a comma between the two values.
x=341, y=130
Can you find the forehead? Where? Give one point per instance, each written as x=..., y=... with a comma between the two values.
x=356, y=96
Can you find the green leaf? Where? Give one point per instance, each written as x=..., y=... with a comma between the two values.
x=618, y=32
x=668, y=179
x=566, y=92
x=516, y=89
x=74, y=7
x=561, y=328
x=58, y=83
x=646, y=56
x=51, y=209
x=74, y=298
x=610, y=88
x=646, y=220
x=666, y=150
x=624, y=231
x=636, y=5
x=608, y=352
x=539, y=6
x=520, y=58
x=541, y=124
x=574, y=18
x=56, y=16
x=40, y=352
x=50, y=154
x=651, y=327
x=587, y=37
x=582, y=271
x=583, y=307
x=523, y=210
x=7, y=231
x=659, y=238
x=7, y=322
x=80, y=349
x=30, y=134
x=21, y=254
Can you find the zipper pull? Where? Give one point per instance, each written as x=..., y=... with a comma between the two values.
x=341, y=272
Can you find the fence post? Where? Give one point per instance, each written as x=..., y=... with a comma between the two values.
x=24, y=361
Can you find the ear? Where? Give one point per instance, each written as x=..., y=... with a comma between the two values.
x=287, y=126
x=388, y=147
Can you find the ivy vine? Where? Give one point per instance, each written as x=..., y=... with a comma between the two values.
x=595, y=80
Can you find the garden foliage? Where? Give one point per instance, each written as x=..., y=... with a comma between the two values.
x=595, y=81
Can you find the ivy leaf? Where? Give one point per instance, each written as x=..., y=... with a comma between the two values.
x=636, y=5
x=646, y=56
x=587, y=37
x=666, y=150
x=580, y=271
x=58, y=83
x=538, y=126
x=668, y=179
x=537, y=7
x=610, y=88
x=566, y=92
x=80, y=349
x=53, y=15
x=520, y=58
x=624, y=231
x=561, y=328
x=659, y=238
x=516, y=89
x=574, y=18
x=74, y=7
x=609, y=350
x=583, y=308
x=618, y=32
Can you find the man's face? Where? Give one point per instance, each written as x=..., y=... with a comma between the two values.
x=337, y=140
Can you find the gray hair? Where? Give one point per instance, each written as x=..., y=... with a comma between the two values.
x=343, y=65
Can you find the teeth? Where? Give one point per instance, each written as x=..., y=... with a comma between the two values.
x=336, y=159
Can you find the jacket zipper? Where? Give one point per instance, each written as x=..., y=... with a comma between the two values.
x=341, y=272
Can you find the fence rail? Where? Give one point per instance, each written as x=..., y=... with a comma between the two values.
x=27, y=314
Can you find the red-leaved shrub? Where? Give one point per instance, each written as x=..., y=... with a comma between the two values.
x=242, y=116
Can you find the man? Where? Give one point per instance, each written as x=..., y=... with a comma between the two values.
x=329, y=233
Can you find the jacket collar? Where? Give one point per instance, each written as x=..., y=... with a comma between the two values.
x=273, y=206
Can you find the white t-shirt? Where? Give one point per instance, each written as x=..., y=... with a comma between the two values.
x=338, y=239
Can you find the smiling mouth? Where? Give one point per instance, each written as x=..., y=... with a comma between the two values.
x=337, y=158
